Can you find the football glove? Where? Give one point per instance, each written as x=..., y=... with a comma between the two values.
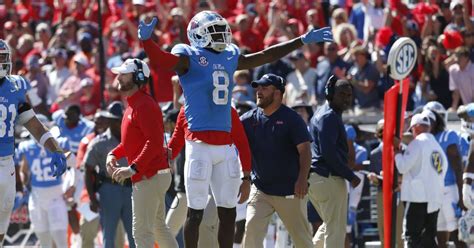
x=145, y=30
x=58, y=163
x=317, y=35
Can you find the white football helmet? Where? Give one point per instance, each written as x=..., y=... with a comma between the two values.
x=5, y=59
x=435, y=106
x=209, y=29
x=466, y=113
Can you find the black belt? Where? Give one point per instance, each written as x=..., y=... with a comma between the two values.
x=127, y=182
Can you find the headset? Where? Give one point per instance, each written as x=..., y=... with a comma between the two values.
x=330, y=87
x=138, y=75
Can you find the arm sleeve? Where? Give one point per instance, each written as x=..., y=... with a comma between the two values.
x=361, y=155
x=176, y=143
x=350, y=131
x=452, y=83
x=299, y=131
x=327, y=138
x=407, y=160
x=158, y=57
x=241, y=141
x=91, y=158
x=152, y=129
x=119, y=151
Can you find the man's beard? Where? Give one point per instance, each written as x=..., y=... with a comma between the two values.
x=125, y=88
x=263, y=103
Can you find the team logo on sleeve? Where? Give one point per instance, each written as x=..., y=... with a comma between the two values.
x=437, y=162
x=203, y=61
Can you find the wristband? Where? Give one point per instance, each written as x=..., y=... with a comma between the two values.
x=45, y=137
x=467, y=175
x=133, y=167
x=246, y=178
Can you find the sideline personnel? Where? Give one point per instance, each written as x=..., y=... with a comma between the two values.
x=423, y=166
x=142, y=145
x=329, y=168
x=280, y=145
x=115, y=198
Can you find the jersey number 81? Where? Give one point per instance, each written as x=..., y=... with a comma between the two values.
x=4, y=118
x=220, y=94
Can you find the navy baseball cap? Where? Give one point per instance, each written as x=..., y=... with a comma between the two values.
x=270, y=79
x=114, y=110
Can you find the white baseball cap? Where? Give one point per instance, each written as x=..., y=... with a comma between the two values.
x=81, y=59
x=455, y=3
x=419, y=119
x=138, y=2
x=129, y=66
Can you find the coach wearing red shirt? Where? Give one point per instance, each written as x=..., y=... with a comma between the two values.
x=142, y=145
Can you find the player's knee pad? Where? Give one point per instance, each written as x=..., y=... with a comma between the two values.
x=195, y=216
x=226, y=214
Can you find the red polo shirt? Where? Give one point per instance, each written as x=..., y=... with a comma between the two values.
x=142, y=136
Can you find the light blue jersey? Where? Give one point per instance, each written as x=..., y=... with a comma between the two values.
x=360, y=153
x=75, y=135
x=464, y=141
x=39, y=162
x=11, y=96
x=207, y=86
x=350, y=132
x=445, y=139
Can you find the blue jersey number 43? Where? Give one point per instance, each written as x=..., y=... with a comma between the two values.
x=7, y=116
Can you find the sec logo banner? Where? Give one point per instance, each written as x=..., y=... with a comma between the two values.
x=402, y=58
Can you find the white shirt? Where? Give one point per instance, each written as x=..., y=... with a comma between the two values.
x=56, y=80
x=423, y=166
x=462, y=80
x=373, y=19
x=300, y=87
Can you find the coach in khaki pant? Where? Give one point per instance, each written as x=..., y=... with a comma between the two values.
x=329, y=166
x=142, y=144
x=280, y=146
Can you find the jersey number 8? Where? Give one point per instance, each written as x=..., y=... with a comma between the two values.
x=220, y=94
x=4, y=118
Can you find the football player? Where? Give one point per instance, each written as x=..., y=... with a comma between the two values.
x=205, y=70
x=47, y=207
x=14, y=109
x=466, y=113
x=449, y=140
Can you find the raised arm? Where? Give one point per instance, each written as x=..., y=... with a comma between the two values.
x=158, y=57
x=278, y=51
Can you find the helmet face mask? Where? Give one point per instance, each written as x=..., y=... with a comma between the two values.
x=467, y=127
x=5, y=59
x=208, y=29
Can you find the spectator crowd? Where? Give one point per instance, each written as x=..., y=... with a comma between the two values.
x=55, y=47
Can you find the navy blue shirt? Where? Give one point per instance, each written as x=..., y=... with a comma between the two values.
x=329, y=148
x=273, y=140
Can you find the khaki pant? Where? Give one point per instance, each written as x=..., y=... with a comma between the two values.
x=148, y=202
x=89, y=230
x=208, y=228
x=329, y=197
x=292, y=212
x=380, y=218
